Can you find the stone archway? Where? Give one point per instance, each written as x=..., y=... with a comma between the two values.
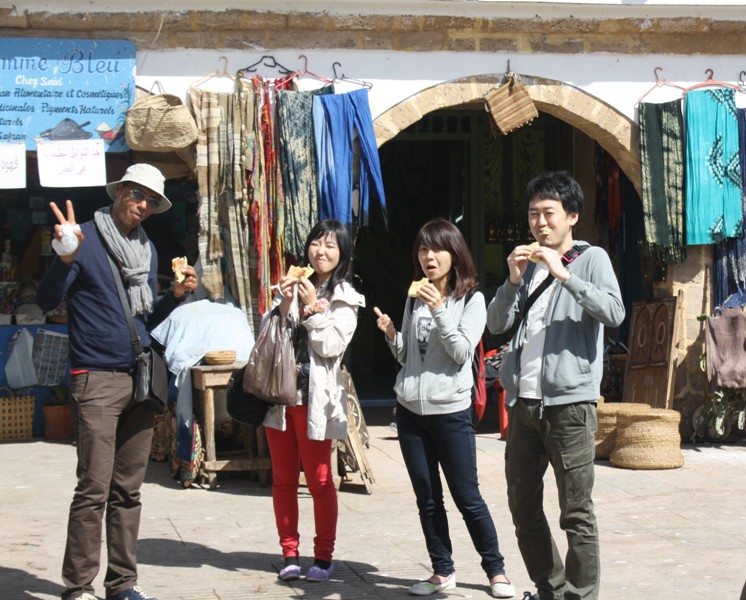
x=616, y=134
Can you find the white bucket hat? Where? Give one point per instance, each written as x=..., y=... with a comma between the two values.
x=147, y=176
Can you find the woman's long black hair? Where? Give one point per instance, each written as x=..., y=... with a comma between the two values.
x=343, y=271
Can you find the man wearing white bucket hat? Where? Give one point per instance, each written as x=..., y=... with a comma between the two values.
x=113, y=433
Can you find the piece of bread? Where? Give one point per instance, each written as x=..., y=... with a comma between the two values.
x=298, y=272
x=177, y=266
x=414, y=288
x=534, y=247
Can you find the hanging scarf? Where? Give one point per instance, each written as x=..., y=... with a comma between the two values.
x=662, y=162
x=267, y=209
x=730, y=255
x=298, y=154
x=713, y=172
x=133, y=255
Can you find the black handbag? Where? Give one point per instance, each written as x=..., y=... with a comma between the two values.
x=244, y=407
x=151, y=375
x=151, y=380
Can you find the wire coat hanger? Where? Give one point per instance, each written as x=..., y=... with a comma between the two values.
x=305, y=71
x=215, y=74
x=658, y=84
x=343, y=77
x=710, y=81
x=270, y=64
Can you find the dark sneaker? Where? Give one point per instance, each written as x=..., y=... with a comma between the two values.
x=133, y=593
x=530, y=596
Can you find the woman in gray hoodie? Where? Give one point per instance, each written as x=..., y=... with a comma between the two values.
x=441, y=327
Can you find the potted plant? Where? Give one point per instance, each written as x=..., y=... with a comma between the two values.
x=58, y=420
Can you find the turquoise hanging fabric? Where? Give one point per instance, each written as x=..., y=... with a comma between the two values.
x=713, y=172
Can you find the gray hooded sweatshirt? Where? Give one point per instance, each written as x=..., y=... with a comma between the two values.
x=573, y=349
x=441, y=382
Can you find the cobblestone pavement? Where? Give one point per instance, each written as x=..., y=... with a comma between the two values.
x=672, y=534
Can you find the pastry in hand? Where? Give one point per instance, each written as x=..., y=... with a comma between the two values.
x=532, y=257
x=414, y=288
x=177, y=266
x=298, y=272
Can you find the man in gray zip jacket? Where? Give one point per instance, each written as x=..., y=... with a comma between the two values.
x=552, y=376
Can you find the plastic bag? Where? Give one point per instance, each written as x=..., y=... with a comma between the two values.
x=270, y=372
x=19, y=370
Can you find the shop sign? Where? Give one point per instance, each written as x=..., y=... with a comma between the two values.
x=53, y=90
x=12, y=166
x=71, y=163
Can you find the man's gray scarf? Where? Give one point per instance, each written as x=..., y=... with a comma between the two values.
x=133, y=255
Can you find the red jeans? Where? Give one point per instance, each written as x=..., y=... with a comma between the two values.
x=289, y=450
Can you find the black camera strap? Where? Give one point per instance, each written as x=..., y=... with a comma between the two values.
x=567, y=258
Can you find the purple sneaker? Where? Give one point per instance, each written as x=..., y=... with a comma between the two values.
x=316, y=573
x=289, y=573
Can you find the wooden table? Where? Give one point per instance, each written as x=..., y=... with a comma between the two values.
x=205, y=380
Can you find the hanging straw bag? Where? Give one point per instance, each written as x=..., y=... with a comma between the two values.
x=510, y=105
x=270, y=372
x=159, y=123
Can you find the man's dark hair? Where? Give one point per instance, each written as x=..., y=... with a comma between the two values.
x=556, y=185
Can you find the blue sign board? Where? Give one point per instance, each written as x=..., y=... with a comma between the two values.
x=65, y=90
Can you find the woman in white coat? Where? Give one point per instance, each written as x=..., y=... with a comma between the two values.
x=323, y=308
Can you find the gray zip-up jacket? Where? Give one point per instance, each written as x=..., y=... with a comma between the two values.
x=440, y=383
x=573, y=349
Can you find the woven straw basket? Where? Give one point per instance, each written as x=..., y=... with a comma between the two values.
x=648, y=440
x=159, y=123
x=606, y=433
x=220, y=357
x=510, y=105
x=16, y=416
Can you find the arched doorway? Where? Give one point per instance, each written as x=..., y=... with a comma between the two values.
x=614, y=132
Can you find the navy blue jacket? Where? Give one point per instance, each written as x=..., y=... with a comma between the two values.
x=99, y=335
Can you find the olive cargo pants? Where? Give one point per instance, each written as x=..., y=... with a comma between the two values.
x=563, y=436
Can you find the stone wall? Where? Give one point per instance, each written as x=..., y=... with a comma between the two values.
x=693, y=279
x=241, y=29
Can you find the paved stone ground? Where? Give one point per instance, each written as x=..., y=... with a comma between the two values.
x=671, y=534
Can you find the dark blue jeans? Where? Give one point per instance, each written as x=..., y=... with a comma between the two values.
x=447, y=441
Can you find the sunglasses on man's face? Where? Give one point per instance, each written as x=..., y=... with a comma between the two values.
x=138, y=196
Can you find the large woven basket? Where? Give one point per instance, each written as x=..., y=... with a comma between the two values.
x=606, y=413
x=16, y=415
x=648, y=440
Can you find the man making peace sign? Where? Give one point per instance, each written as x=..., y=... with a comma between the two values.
x=113, y=434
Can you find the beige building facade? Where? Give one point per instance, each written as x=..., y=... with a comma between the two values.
x=584, y=63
